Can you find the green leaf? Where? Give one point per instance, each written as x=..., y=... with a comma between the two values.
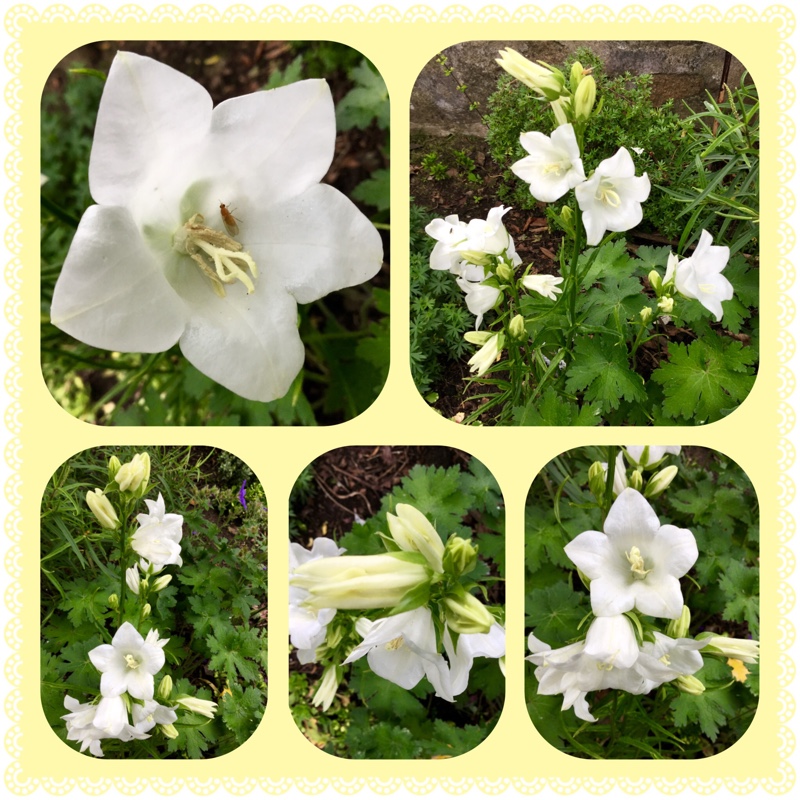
x=601, y=371
x=621, y=299
x=740, y=583
x=554, y=613
x=550, y=409
x=242, y=710
x=368, y=100
x=374, y=191
x=709, y=710
x=706, y=379
x=234, y=651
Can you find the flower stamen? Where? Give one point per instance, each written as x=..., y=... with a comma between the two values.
x=607, y=194
x=219, y=257
x=131, y=662
x=637, y=563
x=394, y=644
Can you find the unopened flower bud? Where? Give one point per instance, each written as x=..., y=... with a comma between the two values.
x=543, y=79
x=466, y=614
x=566, y=214
x=660, y=481
x=132, y=579
x=326, y=691
x=679, y=628
x=160, y=582
x=170, y=731
x=134, y=476
x=646, y=314
x=205, y=708
x=505, y=273
x=746, y=650
x=146, y=610
x=585, y=96
x=165, y=688
x=517, y=327
x=478, y=337
x=102, y=509
x=597, y=479
x=635, y=480
x=666, y=304
x=575, y=75
x=460, y=556
x=113, y=467
x=360, y=582
x=655, y=281
x=688, y=684
x=113, y=602
x=477, y=257
x=413, y=533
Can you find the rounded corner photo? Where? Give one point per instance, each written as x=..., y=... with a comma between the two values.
x=153, y=602
x=215, y=233
x=642, y=602
x=396, y=602
x=584, y=233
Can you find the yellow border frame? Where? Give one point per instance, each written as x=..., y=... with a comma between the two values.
x=278, y=758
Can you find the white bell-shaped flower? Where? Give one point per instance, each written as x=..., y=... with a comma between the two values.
x=700, y=277
x=129, y=663
x=636, y=562
x=403, y=650
x=160, y=259
x=611, y=200
x=553, y=165
x=159, y=534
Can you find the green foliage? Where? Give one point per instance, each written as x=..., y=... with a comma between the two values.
x=213, y=611
x=720, y=183
x=712, y=497
x=627, y=117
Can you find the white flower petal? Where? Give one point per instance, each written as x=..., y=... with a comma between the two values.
x=317, y=243
x=287, y=134
x=247, y=343
x=147, y=108
x=111, y=292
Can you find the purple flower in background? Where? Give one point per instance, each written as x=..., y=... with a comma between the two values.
x=242, y=498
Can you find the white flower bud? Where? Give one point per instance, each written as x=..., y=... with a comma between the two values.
x=102, y=509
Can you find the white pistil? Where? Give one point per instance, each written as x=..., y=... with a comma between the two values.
x=219, y=257
x=131, y=662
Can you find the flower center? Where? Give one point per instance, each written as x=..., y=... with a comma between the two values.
x=637, y=564
x=605, y=666
x=665, y=659
x=219, y=257
x=131, y=662
x=606, y=193
x=557, y=168
x=395, y=644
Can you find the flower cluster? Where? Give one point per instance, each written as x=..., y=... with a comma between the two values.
x=425, y=622
x=127, y=706
x=162, y=260
x=633, y=569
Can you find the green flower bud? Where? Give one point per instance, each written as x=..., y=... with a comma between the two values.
x=161, y=582
x=655, y=281
x=165, y=688
x=466, y=614
x=113, y=467
x=575, y=75
x=102, y=509
x=146, y=610
x=660, y=481
x=566, y=214
x=113, y=602
x=460, y=556
x=170, y=731
x=597, y=479
x=134, y=476
x=505, y=273
x=689, y=684
x=517, y=327
x=635, y=480
x=646, y=314
x=679, y=628
x=585, y=96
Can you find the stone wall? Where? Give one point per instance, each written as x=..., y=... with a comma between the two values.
x=680, y=70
